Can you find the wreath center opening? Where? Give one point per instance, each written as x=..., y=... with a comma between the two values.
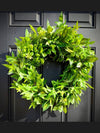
x=51, y=70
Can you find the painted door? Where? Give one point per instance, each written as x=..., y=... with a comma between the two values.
x=12, y=106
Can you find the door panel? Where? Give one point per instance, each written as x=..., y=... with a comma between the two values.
x=85, y=19
x=12, y=106
x=23, y=19
x=82, y=113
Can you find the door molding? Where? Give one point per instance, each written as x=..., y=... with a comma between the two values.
x=23, y=19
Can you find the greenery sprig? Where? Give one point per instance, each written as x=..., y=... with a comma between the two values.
x=59, y=43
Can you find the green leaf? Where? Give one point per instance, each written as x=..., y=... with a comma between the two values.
x=73, y=101
x=89, y=85
x=79, y=64
x=15, y=76
x=60, y=108
x=42, y=95
x=77, y=25
x=44, y=54
x=38, y=29
x=61, y=17
x=42, y=33
x=19, y=79
x=92, y=42
x=12, y=53
x=92, y=59
x=7, y=65
x=55, y=108
x=27, y=33
x=65, y=109
x=70, y=61
x=37, y=100
x=48, y=23
x=26, y=94
x=33, y=104
x=45, y=106
x=10, y=59
x=51, y=102
x=17, y=40
x=30, y=106
x=10, y=72
x=50, y=29
x=58, y=24
x=69, y=50
x=53, y=48
x=42, y=61
x=32, y=28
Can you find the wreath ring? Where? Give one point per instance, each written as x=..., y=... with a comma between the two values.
x=60, y=43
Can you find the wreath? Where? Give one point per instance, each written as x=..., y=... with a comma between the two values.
x=62, y=44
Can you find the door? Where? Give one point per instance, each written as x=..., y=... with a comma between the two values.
x=12, y=106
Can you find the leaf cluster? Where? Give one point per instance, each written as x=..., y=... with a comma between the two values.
x=59, y=43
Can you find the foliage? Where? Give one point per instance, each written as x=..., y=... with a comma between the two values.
x=62, y=44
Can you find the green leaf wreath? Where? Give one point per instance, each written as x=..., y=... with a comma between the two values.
x=62, y=44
